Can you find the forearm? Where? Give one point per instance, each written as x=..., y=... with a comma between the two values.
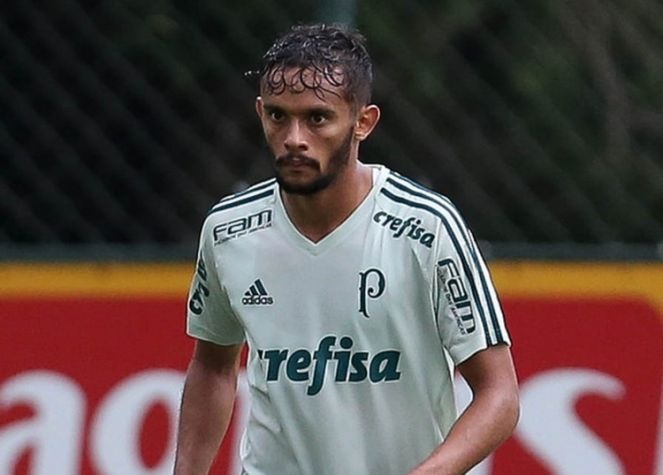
x=483, y=426
x=207, y=404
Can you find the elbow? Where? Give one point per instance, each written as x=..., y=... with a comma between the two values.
x=511, y=410
x=515, y=411
x=506, y=411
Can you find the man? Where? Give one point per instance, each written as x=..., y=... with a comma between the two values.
x=350, y=284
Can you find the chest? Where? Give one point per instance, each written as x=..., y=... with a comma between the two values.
x=367, y=288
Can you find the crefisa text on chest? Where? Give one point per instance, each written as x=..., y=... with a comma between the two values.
x=303, y=365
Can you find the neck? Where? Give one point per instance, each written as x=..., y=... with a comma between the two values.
x=317, y=215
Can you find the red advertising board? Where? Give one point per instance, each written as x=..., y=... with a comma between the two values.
x=92, y=361
x=590, y=382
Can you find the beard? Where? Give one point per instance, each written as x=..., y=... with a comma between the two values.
x=338, y=160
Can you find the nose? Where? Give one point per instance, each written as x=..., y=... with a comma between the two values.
x=295, y=139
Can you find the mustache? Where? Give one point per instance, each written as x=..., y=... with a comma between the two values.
x=299, y=158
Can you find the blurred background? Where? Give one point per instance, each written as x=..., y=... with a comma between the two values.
x=122, y=122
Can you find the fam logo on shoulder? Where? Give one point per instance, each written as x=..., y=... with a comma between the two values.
x=241, y=226
x=457, y=297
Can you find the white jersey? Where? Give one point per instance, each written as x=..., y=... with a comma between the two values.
x=347, y=336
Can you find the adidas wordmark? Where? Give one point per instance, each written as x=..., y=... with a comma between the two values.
x=257, y=295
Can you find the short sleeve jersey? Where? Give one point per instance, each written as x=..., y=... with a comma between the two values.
x=348, y=336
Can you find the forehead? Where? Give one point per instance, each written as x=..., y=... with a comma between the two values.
x=305, y=85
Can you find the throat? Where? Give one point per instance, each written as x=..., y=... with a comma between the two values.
x=316, y=232
x=317, y=216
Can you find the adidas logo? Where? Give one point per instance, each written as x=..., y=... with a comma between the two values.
x=257, y=295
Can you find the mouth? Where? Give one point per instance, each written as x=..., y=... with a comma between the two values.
x=296, y=161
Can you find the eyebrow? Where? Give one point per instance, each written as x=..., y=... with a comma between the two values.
x=326, y=111
x=322, y=110
x=270, y=107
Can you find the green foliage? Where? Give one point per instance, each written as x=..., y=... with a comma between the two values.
x=541, y=119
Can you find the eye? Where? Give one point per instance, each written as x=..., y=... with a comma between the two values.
x=276, y=115
x=318, y=119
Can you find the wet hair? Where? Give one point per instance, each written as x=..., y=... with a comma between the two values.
x=322, y=55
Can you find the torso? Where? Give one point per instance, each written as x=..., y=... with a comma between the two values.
x=346, y=370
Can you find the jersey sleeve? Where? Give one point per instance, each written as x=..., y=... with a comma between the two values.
x=468, y=311
x=209, y=314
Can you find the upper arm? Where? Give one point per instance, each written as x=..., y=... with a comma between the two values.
x=210, y=316
x=491, y=369
x=468, y=311
x=217, y=358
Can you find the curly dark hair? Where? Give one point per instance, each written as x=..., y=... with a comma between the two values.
x=323, y=55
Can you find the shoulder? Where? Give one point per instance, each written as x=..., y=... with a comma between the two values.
x=240, y=211
x=253, y=196
x=405, y=198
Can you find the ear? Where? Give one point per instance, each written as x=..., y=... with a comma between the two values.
x=259, y=107
x=367, y=119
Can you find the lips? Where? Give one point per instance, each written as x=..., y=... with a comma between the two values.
x=296, y=161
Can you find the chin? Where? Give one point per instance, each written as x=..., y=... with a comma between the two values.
x=304, y=187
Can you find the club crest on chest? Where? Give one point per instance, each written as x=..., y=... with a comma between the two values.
x=372, y=284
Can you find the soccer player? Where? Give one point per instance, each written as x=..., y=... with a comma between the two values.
x=352, y=286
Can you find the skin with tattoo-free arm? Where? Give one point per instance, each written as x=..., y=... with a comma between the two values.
x=487, y=422
x=207, y=403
